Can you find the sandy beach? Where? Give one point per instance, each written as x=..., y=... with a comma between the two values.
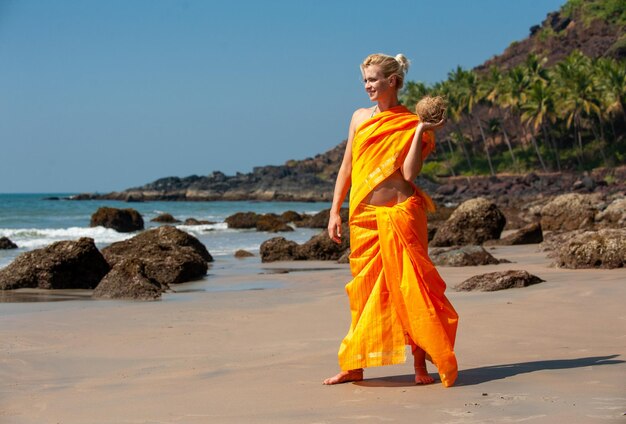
x=256, y=351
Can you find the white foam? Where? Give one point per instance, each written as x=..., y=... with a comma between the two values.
x=34, y=238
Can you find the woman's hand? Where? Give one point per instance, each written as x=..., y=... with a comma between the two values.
x=431, y=126
x=334, y=227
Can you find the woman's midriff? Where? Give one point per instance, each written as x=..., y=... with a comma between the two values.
x=395, y=189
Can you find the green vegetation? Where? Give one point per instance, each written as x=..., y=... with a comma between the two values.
x=569, y=116
x=611, y=11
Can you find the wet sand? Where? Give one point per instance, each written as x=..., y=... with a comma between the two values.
x=256, y=348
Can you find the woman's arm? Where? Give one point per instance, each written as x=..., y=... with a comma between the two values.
x=342, y=185
x=413, y=162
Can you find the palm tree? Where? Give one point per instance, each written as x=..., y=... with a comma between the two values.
x=472, y=94
x=494, y=86
x=450, y=89
x=412, y=92
x=611, y=80
x=577, y=97
x=536, y=112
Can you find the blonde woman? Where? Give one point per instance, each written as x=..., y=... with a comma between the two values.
x=396, y=294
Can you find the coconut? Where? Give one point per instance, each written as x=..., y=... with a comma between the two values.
x=431, y=109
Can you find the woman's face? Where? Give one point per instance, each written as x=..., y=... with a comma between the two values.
x=377, y=85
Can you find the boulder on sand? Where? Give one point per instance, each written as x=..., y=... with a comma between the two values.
x=129, y=280
x=171, y=256
x=473, y=222
x=61, y=265
x=121, y=220
x=462, y=256
x=493, y=281
x=605, y=248
x=569, y=212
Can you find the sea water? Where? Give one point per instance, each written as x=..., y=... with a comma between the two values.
x=33, y=221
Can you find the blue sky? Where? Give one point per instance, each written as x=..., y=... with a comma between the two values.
x=99, y=96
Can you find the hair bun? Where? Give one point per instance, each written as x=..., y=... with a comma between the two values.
x=403, y=61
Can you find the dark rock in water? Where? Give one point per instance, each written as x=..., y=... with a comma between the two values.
x=473, y=222
x=194, y=221
x=272, y=223
x=530, y=234
x=462, y=256
x=321, y=248
x=499, y=281
x=242, y=220
x=278, y=249
x=61, y=265
x=320, y=219
x=122, y=220
x=129, y=280
x=52, y=198
x=605, y=248
x=569, y=212
x=171, y=256
x=5, y=243
x=291, y=216
x=165, y=218
x=243, y=254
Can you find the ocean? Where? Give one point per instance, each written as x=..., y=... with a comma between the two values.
x=31, y=221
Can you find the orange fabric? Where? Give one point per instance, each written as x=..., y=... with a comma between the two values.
x=379, y=147
x=396, y=295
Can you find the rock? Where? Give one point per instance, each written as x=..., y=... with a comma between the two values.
x=194, y=221
x=586, y=183
x=165, y=218
x=462, y=256
x=605, y=248
x=122, y=220
x=499, y=281
x=446, y=189
x=5, y=244
x=441, y=214
x=432, y=230
x=530, y=234
x=278, y=249
x=242, y=220
x=243, y=254
x=320, y=219
x=170, y=255
x=473, y=222
x=272, y=223
x=61, y=265
x=345, y=257
x=321, y=248
x=568, y=212
x=292, y=216
x=129, y=280
x=614, y=215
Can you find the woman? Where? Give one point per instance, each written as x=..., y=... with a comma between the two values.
x=396, y=296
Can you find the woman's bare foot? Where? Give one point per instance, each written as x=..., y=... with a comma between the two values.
x=419, y=363
x=345, y=377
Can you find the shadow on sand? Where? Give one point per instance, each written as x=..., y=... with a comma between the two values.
x=474, y=376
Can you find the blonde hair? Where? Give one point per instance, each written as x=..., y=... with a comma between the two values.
x=390, y=65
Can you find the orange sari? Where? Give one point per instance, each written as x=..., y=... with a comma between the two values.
x=396, y=295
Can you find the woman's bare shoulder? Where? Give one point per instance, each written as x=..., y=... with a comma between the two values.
x=361, y=115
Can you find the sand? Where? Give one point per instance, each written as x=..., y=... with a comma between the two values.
x=550, y=353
